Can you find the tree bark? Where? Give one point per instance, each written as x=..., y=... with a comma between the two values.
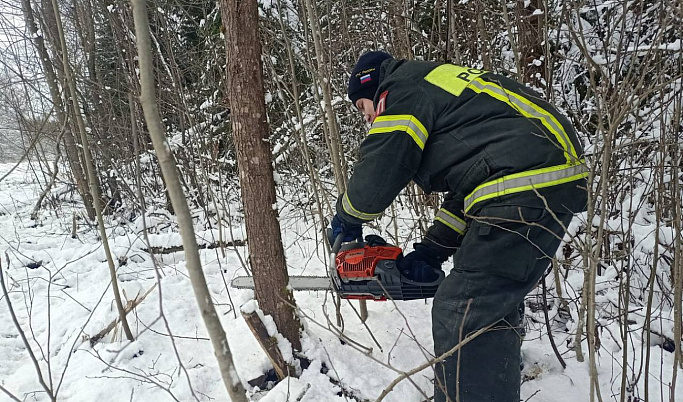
x=250, y=134
x=168, y=168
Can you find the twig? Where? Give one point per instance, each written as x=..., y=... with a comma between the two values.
x=532, y=395
x=14, y=398
x=143, y=378
x=364, y=322
x=547, y=323
x=128, y=308
x=21, y=333
x=431, y=362
x=269, y=345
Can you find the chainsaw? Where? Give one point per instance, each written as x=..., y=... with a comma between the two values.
x=361, y=270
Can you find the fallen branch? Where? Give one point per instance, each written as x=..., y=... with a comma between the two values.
x=269, y=345
x=208, y=246
x=130, y=305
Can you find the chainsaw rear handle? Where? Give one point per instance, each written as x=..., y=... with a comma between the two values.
x=337, y=242
x=441, y=275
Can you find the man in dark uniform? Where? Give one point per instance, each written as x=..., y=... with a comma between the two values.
x=513, y=172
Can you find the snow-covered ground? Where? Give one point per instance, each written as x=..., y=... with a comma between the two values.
x=67, y=299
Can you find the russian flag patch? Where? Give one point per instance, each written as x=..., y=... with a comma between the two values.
x=365, y=78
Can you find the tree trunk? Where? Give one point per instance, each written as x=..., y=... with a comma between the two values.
x=250, y=134
x=399, y=30
x=530, y=25
x=323, y=77
x=168, y=167
x=90, y=167
x=70, y=146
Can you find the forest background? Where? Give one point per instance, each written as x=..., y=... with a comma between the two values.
x=133, y=160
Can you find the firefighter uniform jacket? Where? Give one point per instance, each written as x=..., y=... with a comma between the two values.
x=480, y=137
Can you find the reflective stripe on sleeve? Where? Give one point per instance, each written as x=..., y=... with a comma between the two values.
x=529, y=110
x=451, y=220
x=349, y=209
x=401, y=122
x=525, y=181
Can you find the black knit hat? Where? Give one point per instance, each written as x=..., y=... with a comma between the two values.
x=364, y=79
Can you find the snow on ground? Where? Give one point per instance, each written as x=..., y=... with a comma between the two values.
x=67, y=300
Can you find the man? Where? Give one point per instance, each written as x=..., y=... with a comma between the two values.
x=513, y=172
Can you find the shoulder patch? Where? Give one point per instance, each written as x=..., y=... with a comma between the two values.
x=382, y=103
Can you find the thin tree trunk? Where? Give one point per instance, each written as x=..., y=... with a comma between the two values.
x=90, y=167
x=336, y=151
x=338, y=160
x=530, y=27
x=70, y=146
x=168, y=167
x=301, y=138
x=401, y=42
x=483, y=35
x=677, y=271
x=250, y=134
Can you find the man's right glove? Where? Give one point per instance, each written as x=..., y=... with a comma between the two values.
x=351, y=232
x=421, y=265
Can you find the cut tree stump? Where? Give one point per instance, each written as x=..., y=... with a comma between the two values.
x=269, y=345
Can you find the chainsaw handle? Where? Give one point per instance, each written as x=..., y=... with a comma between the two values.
x=435, y=282
x=337, y=243
x=336, y=246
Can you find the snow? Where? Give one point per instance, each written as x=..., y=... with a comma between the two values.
x=253, y=361
x=289, y=389
x=68, y=299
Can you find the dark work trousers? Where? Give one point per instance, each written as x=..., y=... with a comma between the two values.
x=500, y=260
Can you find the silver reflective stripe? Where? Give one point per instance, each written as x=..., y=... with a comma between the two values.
x=402, y=122
x=450, y=220
x=349, y=209
x=525, y=181
x=530, y=109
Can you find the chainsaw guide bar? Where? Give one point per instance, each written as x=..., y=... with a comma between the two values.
x=295, y=282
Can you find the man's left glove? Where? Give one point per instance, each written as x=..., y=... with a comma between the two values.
x=421, y=265
x=351, y=232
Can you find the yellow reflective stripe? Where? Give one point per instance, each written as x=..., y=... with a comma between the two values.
x=528, y=109
x=401, y=122
x=349, y=209
x=452, y=221
x=525, y=181
x=453, y=79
